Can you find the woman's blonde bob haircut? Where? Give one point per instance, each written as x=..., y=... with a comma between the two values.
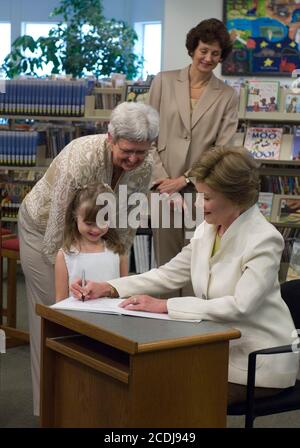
x=231, y=171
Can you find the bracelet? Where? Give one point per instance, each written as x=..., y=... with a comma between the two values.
x=113, y=294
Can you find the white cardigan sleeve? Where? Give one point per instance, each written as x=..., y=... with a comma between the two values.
x=260, y=265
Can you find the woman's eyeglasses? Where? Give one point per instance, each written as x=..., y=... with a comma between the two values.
x=133, y=152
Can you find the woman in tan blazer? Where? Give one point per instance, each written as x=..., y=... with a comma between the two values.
x=197, y=110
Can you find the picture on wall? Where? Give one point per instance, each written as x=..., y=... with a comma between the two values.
x=266, y=36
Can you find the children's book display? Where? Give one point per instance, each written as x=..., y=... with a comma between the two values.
x=137, y=92
x=263, y=96
x=264, y=142
x=294, y=265
x=264, y=203
x=292, y=103
x=286, y=209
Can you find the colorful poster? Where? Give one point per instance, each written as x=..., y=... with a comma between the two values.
x=266, y=37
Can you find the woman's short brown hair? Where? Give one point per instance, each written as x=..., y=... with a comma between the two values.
x=231, y=171
x=209, y=31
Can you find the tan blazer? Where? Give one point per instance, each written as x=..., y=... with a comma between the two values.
x=182, y=137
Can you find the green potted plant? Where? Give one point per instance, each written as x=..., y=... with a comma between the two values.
x=83, y=43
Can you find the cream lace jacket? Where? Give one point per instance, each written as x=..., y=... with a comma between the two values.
x=83, y=161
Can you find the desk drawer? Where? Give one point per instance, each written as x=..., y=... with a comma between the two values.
x=98, y=356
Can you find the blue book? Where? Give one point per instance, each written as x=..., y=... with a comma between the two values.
x=58, y=95
x=82, y=94
x=20, y=97
x=296, y=144
x=1, y=149
x=68, y=103
x=13, y=99
x=13, y=147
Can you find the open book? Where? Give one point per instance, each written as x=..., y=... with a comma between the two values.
x=108, y=306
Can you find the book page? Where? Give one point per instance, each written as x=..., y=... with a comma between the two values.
x=109, y=306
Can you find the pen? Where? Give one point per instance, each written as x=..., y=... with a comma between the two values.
x=83, y=284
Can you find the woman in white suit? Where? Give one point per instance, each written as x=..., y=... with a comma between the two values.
x=233, y=262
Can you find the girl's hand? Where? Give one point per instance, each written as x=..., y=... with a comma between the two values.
x=145, y=303
x=92, y=290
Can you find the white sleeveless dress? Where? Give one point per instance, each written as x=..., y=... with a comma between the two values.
x=98, y=266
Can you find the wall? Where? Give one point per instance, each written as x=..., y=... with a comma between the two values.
x=147, y=10
x=180, y=17
x=18, y=11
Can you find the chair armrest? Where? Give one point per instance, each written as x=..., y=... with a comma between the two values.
x=252, y=371
x=275, y=350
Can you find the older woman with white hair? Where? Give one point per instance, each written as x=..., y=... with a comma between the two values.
x=119, y=158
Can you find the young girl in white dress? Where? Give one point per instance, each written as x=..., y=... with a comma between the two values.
x=87, y=247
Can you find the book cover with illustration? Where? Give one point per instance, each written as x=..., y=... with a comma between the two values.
x=264, y=203
x=264, y=143
x=296, y=144
x=137, y=92
x=294, y=265
x=292, y=103
x=263, y=96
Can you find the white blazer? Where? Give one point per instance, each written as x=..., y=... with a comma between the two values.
x=238, y=286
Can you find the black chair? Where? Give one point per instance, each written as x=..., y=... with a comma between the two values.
x=286, y=400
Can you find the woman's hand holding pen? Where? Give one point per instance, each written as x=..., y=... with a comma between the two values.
x=91, y=290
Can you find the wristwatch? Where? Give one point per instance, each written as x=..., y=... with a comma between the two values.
x=187, y=179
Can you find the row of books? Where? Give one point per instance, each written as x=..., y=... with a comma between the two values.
x=54, y=137
x=44, y=97
x=265, y=142
x=264, y=96
x=18, y=148
x=281, y=184
x=107, y=100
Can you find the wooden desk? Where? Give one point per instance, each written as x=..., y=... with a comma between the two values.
x=100, y=370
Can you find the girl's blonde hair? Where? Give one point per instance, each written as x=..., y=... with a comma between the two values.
x=87, y=196
x=231, y=171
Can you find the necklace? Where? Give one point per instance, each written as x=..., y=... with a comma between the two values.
x=199, y=85
x=195, y=83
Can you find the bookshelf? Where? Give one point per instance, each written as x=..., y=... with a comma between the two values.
x=55, y=130
x=280, y=177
